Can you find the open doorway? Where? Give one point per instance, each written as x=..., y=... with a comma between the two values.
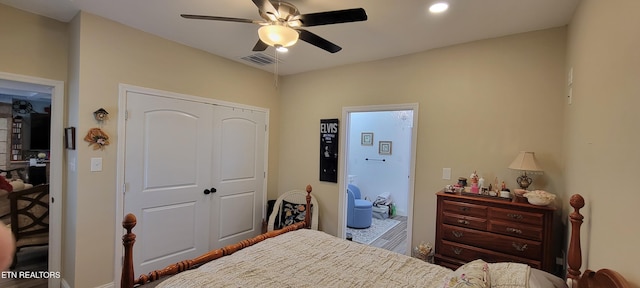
x=379, y=162
x=31, y=112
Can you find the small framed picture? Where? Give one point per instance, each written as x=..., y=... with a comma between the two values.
x=70, y=138
x=384, y=148
x=366, y=139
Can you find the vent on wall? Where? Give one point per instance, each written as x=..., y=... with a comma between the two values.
x=260, y=59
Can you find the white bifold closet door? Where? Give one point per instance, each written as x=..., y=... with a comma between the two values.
x=194, y=175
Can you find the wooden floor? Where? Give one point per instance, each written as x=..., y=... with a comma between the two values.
x=29, y=259
x=395, y=239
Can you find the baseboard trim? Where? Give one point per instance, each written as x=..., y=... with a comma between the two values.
x=64, y=284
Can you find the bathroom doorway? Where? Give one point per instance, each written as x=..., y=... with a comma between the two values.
x=379, y=159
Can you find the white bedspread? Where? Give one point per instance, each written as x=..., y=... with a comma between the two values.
x=316, y=259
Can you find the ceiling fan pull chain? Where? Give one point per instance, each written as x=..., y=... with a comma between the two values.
x=275, y=74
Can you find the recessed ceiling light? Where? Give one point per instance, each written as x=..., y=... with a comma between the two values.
x=438, y=7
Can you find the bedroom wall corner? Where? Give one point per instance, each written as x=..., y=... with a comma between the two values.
x=493, y=87
x=110, y=54
x=24, y=35
x=601, y=139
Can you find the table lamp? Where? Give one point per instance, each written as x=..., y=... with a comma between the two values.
x=525, y=161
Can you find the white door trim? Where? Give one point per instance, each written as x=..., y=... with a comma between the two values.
x=342, y=210
x=56, y=167
x=120, y=163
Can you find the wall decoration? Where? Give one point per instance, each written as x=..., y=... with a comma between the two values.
x=329, y=150
x=384, y=148
x=97, y=138
x=70, y=138
x=100, y=115
x=366, y=138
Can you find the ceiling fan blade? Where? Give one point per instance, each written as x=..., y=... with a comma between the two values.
x=318, y=41
x=260, y=46
x=333, y=17
x=266, y=7
x=217, y=18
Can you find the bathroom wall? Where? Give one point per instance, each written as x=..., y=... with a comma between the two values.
x=375, y=176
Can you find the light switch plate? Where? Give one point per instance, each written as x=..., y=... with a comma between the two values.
x=96, y=164
x=446, y=173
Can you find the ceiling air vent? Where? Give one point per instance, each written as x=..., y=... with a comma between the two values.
x=260, y=59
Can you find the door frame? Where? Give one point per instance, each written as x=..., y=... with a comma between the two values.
x=124, y=89
x=56, y=167
x=344, y=142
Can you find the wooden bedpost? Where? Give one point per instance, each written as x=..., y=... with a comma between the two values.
x=307, y=216
x=574, y=258
x=127, y=241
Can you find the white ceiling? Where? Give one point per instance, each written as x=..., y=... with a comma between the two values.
x=393, y=28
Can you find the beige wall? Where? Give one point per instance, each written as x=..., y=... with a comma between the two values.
x=480, y=104
x=32, y=45
x=109, y=54
x=36, y=46
x=602, y=139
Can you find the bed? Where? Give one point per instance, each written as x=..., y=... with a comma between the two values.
x=299, y=257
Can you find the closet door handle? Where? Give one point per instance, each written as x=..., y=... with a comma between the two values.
x=206, y=191
x=214, y=190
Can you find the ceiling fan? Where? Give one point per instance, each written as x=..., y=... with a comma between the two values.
x=281, y=24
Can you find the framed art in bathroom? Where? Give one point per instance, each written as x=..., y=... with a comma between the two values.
x=384, y=148
x=366, y=139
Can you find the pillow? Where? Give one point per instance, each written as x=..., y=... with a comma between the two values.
x=291, y=213
x=473, y=274
x=5, y=185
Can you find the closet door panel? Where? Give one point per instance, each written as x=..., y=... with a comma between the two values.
x=238, y=174
x=167, y=168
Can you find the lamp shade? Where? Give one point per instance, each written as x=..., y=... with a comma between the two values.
x=525, y=161
x=278, y=35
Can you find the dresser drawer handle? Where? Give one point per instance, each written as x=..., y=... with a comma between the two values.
x=514, y=230
x=519, y=247
x=457, y=234
x=465, y=222
x=464, y=208
x=456, y=251
x=515, y=216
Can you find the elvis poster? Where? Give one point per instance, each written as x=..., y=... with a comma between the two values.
x=329, y=150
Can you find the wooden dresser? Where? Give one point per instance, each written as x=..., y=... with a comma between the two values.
x=495, y=230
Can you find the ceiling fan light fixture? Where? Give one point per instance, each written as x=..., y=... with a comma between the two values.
x=280, y=35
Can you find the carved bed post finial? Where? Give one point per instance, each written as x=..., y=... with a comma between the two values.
x=575, y=251
x=307, y=215
x=127, y=241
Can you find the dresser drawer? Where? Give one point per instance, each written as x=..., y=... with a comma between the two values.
x=469, y=227
x=516, y=216
x=467, y=253
x=464, y=221
x=506, y=244
x=466, y=209
x=516, y=229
